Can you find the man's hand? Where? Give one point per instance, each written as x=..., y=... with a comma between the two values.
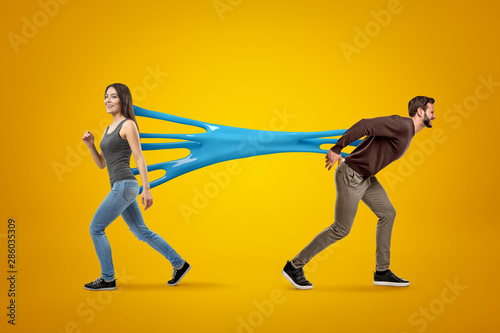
x=332, y=158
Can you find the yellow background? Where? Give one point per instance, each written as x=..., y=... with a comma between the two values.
x=238, y=67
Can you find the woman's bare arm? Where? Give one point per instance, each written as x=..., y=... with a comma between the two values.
x=99, y=158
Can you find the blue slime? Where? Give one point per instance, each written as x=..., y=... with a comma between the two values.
x=223, y=143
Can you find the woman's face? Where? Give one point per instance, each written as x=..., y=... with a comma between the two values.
x=112, y=101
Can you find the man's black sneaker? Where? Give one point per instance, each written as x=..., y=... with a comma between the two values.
x=296, y=276
x=178, y=274
x=100, y=284
x=389, y=279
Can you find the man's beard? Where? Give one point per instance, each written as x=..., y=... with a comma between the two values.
x=427, y=121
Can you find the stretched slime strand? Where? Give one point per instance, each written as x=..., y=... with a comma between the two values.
x=221, y=143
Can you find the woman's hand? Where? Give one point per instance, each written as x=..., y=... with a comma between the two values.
x=146, y=198
x=88, y=138
x=99, y=158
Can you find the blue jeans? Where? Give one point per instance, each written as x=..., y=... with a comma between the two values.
x=121, y=200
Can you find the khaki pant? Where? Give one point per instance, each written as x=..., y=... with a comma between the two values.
x=351, y=188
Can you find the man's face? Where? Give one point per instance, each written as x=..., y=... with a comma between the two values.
x=429, y=115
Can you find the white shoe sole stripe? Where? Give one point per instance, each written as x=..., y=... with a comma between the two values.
x=293, y=283
x=94, y=289
x=391, y=284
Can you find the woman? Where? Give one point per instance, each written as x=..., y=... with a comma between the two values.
x=119, y=141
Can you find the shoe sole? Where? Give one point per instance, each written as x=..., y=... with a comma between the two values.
x=174, y=284
x=97, y=289
x=391, y=284
x=293, y=283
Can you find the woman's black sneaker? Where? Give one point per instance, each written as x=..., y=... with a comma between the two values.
x=178, y=274
x=389, y=279
x=296, y=276
x=100, y=284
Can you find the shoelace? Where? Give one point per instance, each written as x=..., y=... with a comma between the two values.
x=299, y=275
x=98, y=280
x=174, y=273
x=397, y=277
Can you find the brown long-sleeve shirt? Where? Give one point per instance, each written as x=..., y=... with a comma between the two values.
x=387, y=139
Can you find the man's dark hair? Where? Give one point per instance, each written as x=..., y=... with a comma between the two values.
x=418, y=102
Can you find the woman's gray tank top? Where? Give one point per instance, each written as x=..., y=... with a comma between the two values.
x=117, y=153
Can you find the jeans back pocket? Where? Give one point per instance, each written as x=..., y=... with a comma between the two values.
x=131, y=191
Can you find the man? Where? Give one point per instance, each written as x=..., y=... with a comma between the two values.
x=387, y=139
